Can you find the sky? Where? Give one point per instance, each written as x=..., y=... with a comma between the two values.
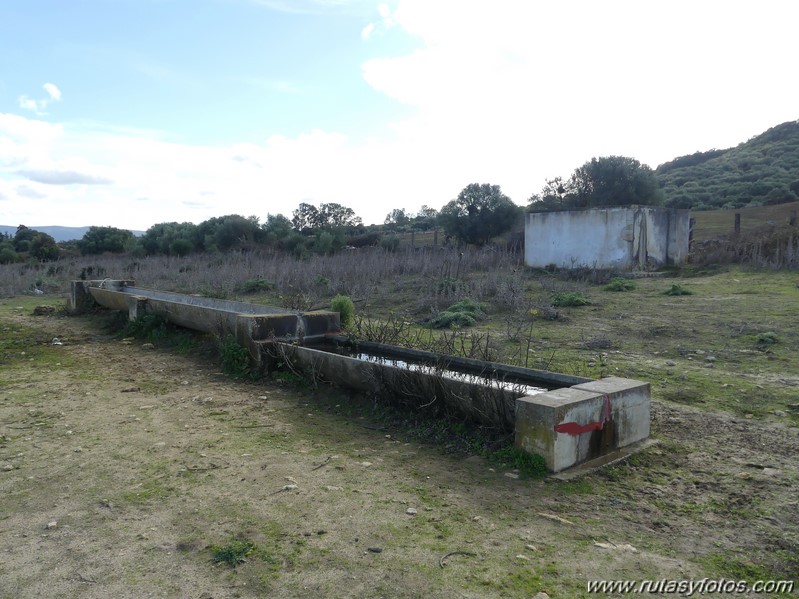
x=129, y=113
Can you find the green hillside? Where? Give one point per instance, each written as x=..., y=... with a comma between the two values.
x=761, y=171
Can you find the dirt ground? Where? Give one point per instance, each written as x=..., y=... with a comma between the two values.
x=122, y=466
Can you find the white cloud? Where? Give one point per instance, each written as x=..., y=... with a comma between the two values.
x=517, y=92
x=60, y=177
x=39, y=106
x=367, y=31
x=26, y=191
x=53, y=91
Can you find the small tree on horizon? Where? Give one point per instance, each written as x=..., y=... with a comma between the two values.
x=479, y=213
x=599, y=183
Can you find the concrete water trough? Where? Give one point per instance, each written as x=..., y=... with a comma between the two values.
x=248, y=323
x=568, y=420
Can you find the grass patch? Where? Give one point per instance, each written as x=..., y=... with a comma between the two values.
x=767, y=338
x=465, y=313
x=620, y=284
x=576, y=487
x=529, y=465
x=256, y=285
x=736, y=568
x=678, y=289
x=234, y=553
x=235, y=358
x=569, y=299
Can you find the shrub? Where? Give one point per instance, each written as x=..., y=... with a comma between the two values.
x=344, y=306
x=620, y=284
x=8, y=256
x=568, y=299
x=464, y=313
x=677, y=289
x=256, y=285
x=449, y=286
x=767, y=338
x=390, y=243
x=235, y=358
x=146, y=326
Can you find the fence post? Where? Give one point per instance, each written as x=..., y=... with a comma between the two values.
x=737, y=223
x=792, y=220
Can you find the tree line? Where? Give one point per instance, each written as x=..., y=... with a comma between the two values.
x=480, y=213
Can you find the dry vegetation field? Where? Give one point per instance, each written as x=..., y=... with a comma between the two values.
x=134, y=472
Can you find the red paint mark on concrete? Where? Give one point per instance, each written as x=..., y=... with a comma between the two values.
x=572, y=428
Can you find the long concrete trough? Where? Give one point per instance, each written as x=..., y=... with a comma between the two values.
x=567, y=420
x=248, y=323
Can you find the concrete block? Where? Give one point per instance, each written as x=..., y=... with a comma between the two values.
x=321, y=322
x=572, y=425
x=577, y=413
x=137, y=307
x=630, y=402
x=259, y=327
x=80, y=299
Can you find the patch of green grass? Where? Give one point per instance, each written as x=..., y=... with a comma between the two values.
x=576, y=487
x=677, y=289
x=620, y=284
x=151, y=489
x=156, y=330
x=145, y=326
x=19, y=344
x=256, y=285
x=235, y=358
x=684, y=394
x=767, y=338
x=233, y=553
x=569, y=299
x=465, y=313
x=735, y=567
x=529, y=465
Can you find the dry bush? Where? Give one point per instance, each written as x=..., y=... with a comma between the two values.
x=361, y=274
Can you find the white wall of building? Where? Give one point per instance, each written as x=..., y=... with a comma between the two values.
x=624, y=237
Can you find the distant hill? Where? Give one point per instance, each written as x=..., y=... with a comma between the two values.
x=58, y=233
x=761, y=171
